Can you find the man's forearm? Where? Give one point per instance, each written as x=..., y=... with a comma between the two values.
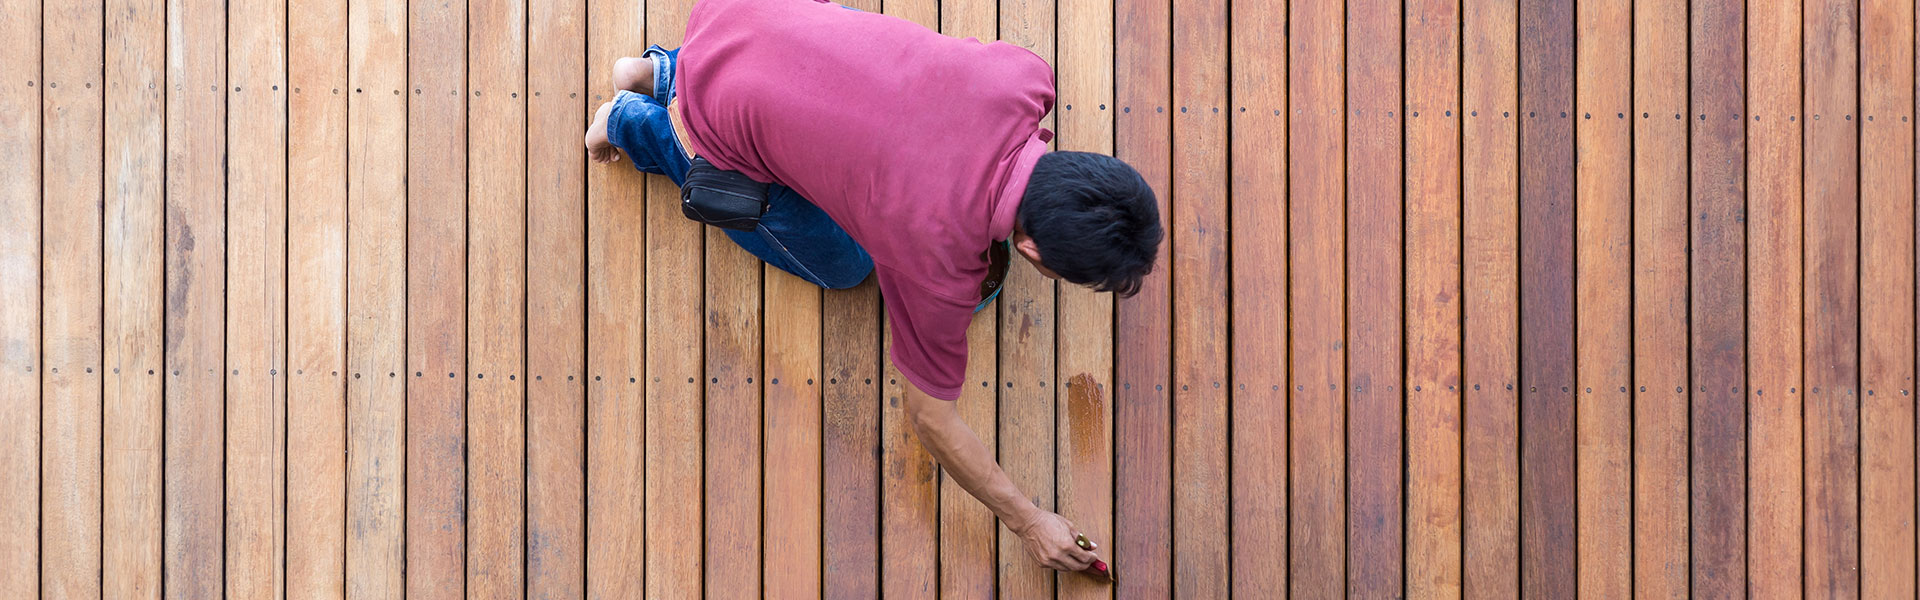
x=968, y=461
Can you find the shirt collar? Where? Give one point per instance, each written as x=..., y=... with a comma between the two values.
x=1008, y=203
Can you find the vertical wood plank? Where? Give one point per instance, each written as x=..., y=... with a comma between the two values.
x=436, y=298
x=70, y=328
x=1717, y=269
x=1660, y=299
x=1258, y=162
x=793, y=452
x=616, y=274
x=1317, y=296
x=1886, y=299
x=852, y=443
x=1433, y=542
x=1143, y=428
x=1027, y=334
x=733, y=451
x=1490, y=218
x=1774, y=318
x=557, y=241
x=256, y=211
x=196, y=253
x=20, y=208
x=133, y=293
x=1197, y=229
x=1604, y=283
x=1832, y=256
x=496, y=301
x=910, y=496
x=1374, y=122
x=377, y=182
x=1546, y=300
x=673, y=405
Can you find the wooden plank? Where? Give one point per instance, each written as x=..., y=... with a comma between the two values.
x=1660, y=299
x=1374, y=121
x=1773, y=300
x=436, y=298
x=1143, y=428
x=852, y=443
x=1490, y=217
x=70, y=328
x=733, y=417
x=910, y=497
x=133, y=290
x=496, y=297
x=1717, y=269
x=1433, y=299
x=1604, y=280
x=1317, y=296
x=1027, y=333
x=196, y=277
x=256, y=210
x=1831, y=412
x=377, y=181
x=673, y=405
x=616, y=271
x=793, y=424
x=1259, y=303
x=1546, y=300
x=20, y=205
x=557, y=239
x=1886, y=299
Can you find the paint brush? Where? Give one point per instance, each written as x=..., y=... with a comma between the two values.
x=1099, y=567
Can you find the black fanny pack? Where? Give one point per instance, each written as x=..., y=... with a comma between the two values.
x=725, y=199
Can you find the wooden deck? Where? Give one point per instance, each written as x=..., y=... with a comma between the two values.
x=1461, y=298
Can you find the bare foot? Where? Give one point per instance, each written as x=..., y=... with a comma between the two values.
x=634, y=74
x=599, y=148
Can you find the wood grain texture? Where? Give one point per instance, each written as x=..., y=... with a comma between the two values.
x=1316, y=301
x=1831, y=257
x=496, y=300
x=1547, y=561
x=1142, y=416
x=910, y=498
x=133, y=289
x=196, y=277
x=1027, y=352
x=377, y=411
x=1886, y=299
x=256, y=295
x=1774, y=320
x=1375, y=120
x=1660, y=299
x=793, y=457
x=1717, y=270
x=1490, y=278
x=1604, y=288
x=556, y=295
x=1197, y=231
x=674, y=328
x=617, y=374
x=1258, y=209
x=70, y=319
x=1433, y=300
x=20, y=211
x=851, y=445
x=967, y=529
x=734, y=449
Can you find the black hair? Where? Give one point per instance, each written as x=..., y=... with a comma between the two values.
x=1094, y=220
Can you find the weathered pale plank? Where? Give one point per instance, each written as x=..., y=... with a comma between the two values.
x=1886, y=299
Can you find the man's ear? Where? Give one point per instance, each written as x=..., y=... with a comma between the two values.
x=1024, y=244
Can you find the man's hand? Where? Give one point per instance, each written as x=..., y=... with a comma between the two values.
x=1050, y=539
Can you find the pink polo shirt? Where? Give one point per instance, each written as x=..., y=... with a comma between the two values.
x=918, y=144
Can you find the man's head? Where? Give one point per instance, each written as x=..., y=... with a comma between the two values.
x=1089, y=219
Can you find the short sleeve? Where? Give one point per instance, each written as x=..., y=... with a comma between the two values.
x=929, y=335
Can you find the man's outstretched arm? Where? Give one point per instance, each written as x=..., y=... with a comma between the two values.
x=1049, y=537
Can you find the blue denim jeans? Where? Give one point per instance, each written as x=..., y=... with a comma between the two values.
x=794, y=235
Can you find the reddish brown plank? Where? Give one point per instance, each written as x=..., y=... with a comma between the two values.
x=1546, y=300
x=1433, y=349
x=910, y=496
x=1604, y=283
x=1373, y=260
x=1660, y=299
x=1259, y=354
x=1316, y=299
x=1886, y=299
x=852, y=443
x=1831, y=413
x=733, y=419
x=1197, y=230
x=1490, y=218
